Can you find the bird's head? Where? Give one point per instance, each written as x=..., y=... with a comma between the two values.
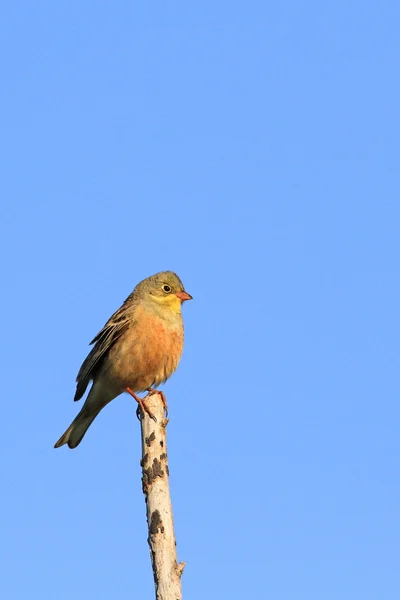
x=165, y=289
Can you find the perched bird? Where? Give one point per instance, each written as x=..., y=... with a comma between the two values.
x=138, y=348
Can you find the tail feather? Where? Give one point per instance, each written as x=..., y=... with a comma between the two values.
x=79, y=426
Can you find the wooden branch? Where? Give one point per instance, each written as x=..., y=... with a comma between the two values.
x=155, y=481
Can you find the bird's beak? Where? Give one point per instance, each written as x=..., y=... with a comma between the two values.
x=183, y=296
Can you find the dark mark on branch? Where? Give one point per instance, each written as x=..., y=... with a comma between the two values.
x=144, y=460
x=156, y=523
x=157, y=470
x=150, y=439
x=151, y=473
x=153, y=562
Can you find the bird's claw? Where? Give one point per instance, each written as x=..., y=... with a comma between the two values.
x=163, y=398
x=142, y=408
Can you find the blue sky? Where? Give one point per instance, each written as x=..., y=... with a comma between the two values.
x=254, y=149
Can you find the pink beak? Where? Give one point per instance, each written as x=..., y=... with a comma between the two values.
x=183, y=296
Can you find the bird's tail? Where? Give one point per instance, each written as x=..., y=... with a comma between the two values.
x=79, y=426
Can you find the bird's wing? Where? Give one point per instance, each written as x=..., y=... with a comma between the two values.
x=112, y=330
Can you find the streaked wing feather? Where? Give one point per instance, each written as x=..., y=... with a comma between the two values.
x=103, y=341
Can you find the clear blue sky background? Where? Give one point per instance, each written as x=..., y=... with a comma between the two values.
x=253, y=148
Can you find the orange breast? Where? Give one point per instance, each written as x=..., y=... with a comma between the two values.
x=149, y=353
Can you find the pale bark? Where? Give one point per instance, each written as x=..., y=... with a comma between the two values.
x=155, y=480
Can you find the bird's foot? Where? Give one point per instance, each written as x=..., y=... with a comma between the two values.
x=142, y=409
x=163, y=398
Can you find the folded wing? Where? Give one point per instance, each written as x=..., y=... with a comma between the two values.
x=104, y=340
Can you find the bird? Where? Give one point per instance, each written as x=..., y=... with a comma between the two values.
x=138, y=348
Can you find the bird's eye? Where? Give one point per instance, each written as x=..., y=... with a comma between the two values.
x=166, y=288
